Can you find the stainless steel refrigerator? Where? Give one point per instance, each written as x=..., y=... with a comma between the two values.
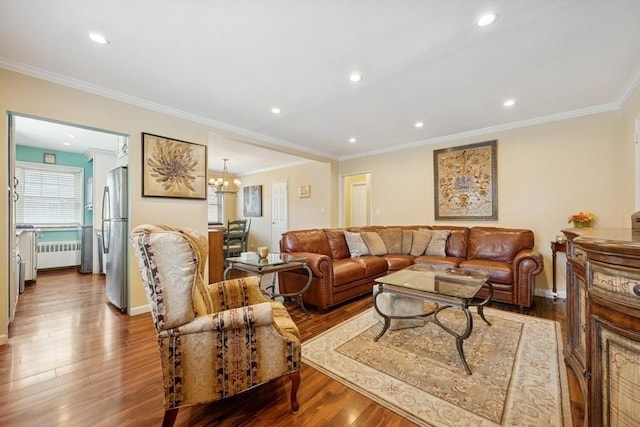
x=114, y=236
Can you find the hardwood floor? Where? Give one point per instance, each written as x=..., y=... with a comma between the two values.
x=74, y=360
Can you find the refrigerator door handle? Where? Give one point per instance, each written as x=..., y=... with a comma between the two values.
x=105, y=219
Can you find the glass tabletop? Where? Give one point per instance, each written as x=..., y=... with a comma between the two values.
x=272, y=259
x=452, y=282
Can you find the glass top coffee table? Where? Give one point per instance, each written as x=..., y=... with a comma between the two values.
x=445, y=287
x=272, y=263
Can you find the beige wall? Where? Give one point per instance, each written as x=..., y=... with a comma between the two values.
x=26, y=95
x=546, y=172
x=311, y=212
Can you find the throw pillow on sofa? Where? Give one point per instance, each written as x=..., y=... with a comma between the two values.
x=356, y=245
x=438, y=244
x=407, y=241
x=420, y=242
x=374, y=242
x=392, y=238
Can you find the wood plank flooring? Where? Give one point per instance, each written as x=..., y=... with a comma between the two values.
x=74, y=360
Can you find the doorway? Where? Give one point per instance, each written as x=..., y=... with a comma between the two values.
x=279, y=213
x=44, y=145
x=357, y=200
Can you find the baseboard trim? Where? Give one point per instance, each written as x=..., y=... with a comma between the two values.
x=140, y=310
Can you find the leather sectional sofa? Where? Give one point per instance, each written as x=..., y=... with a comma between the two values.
x=343, y=268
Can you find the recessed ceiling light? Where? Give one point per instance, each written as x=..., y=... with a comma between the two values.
x=352, y=140
x=509, y=103
x=419, y=124
x=66, y=143
x=487, y=19
x=71, y=136
x=355, y=77
x=98, y=38
x=275, y=110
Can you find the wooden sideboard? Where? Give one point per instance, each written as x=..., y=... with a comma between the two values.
x=603, y=322
x=216, y=256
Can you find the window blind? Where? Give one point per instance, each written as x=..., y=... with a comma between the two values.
x=49, y=194
x=214, y=207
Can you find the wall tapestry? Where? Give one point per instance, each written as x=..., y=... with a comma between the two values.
x=466, y=182
x=172, y=168
x=252, y=200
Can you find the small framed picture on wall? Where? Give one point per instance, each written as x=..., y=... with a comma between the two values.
x=304, y=192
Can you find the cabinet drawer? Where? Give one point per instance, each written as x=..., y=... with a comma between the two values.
x=619, y=284
x=576, y=254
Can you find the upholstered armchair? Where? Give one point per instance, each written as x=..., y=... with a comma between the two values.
x=216, y=340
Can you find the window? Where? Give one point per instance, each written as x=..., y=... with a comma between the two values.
x=49, y=194
x=214, y=207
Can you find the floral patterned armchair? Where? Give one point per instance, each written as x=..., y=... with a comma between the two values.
x=216, y=340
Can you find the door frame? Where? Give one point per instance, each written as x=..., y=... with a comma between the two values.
x=345, y=192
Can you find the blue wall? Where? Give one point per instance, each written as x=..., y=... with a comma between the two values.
x=63, y=158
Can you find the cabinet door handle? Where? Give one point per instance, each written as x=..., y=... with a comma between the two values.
x=584, y=328
x=586, y=373
x=636, y=289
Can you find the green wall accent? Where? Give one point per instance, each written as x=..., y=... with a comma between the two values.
x=63, y=158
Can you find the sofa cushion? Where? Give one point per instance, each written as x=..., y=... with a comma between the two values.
x=458, y=239
x=374, y=242
x=407, y=241
x=337, y=243
x=356, y=245
x=438, y=244
x=438, y=261
x=347, y=270
x=373, y=265
x=500, y=272
x=421, y=239
x=498, y=244
x=314, y=241
x=397, y=261
x=392, y=238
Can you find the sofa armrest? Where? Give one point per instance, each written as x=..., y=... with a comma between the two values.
x=321, y=265
x=527, y=264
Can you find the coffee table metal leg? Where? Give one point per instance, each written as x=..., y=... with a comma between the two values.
x=297, y=296
x=481, y=304
x=387, y=319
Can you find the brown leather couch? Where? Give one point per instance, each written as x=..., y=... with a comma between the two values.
x=507, y=254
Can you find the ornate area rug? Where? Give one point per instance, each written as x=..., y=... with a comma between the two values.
x=518, y=373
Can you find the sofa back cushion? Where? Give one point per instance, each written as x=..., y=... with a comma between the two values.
x=374, y=243
x=458, y=240
x=356, y=245
x=314, y=241
x=498, y=244
x=421, y=239
x=437, y=243
x=337, y=243
x=392, y=238
x=407, y=241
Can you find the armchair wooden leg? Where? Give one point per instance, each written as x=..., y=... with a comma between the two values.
x=170, y=416
x=295, y=383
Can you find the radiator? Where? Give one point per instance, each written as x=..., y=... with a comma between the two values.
x=58, y=254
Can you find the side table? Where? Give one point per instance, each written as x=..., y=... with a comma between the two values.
x=273, y=263
x=556, y=247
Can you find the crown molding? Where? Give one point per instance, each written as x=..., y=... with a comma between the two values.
x=149, y=105
x=493, y=129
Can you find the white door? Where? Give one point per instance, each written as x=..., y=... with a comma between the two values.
x=279, y=218
x=359, y=204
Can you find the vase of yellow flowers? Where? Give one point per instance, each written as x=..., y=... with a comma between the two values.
x=582, y=219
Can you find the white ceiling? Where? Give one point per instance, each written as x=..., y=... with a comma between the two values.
x=227, y=63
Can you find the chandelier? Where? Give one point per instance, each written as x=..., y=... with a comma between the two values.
x=221, y=185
